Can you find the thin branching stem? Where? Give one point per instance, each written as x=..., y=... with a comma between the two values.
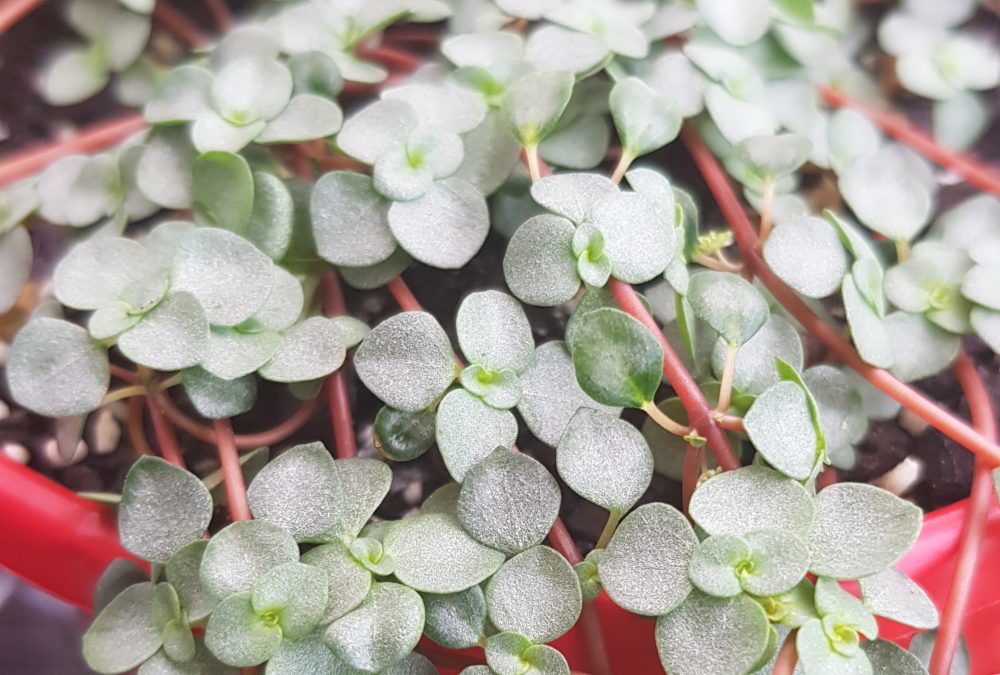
x=345, y=443
x=726, y=383
x=178, y=25
x=123, y=374
x=123, y=393
x=614, y=517
x=784, y=664
x=922, y=406
x=532, y=161
x=974, y=525
x=166, y=439
x=220, y=14
x=21, y=164
x=232, y=472
x=731, y=423
x=965, y=165
x=624, y=162
x=665, y=421
x=766, y=208
x=13, y=11
x=135, y=427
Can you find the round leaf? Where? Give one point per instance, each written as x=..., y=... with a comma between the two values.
x=645, y=570
x=508, y=501
x=123, y=634
x=239, y=554
x=222, y=187
x=350, y=582
x=494, y=332
x=406, y=361
x=617, y=361
x=456, y=620
x=55, y=369
x=434, y=554
x=349, y=220
x=729, y=304
x=304, y=118
x=921, y=348
x=467, y=430
x=536, y=594
x=749, y=499
x=645, y=121
x=103, y=270
x=237, y=636
x=604, y=459
x=572, y=195
x=534, y=103
x=183, y=573
x=807, y=254
x=172, y=336
x=892, y=594
x=755, y=370
x=539, y=264
x=296, y=592
x=308, y=351
x=250, y=89
x=216, y=398
x=381, y=631
x=780, y=426
x=715, y=562
x=638, y=238
x=891, y=203
x=365, y=483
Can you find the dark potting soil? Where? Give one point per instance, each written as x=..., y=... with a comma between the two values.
x=27, y=121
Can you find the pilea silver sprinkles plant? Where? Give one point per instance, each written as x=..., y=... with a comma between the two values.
x=221, y=228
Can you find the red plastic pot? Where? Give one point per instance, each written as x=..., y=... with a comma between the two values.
x=61, y=543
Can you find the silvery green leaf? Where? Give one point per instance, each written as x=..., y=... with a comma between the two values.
x=100, y=271
x=456, y=620
x=129, y=614
x=888, y=658
x=163, y=174
x=490, y=153
x=300, y=491
x=238, y=636
x=495, y=51
x=860, y=530
x=183, y=574
x=75, y=74
x=817, y=654
x=296, y=592
x=445, y=227
x=55, y=369
x=535, y=594
x=504, y=652
x=365, y=483
x=778, y=561
x=921, y=348
x=868, y=330
x=467, y=430
x=306, y=117
x=117, y=576
x=172, y=336
x=729, y=304
x=305, y=655
x=842, y=413
x=749, y=499
x=202, y=663
x=893, y=204
x=375, y=276
x=539, y=264
x=892, y=594
x=494, y=332
x=715, y=562
x=349, y=220
x=960, y=121
x=986, y=323
x=434, y=554
x=250, y=40
x=551, y=395
x=223, y=190
x=922, y=646
x=737, y=119
x=967, y=223
x=283, y=305
x=645, y=570
x=250, y=89
x=967, y=61
x=240, y=553
x=604, y=459
x=533, y=104
x=376, y=128
x=771, y=158
x=443, y=500
x=732, y=634
x=638, y=237
x=738, y=24
x=497, y=388
x=224, y=272
x=580, y=142
x=850, y=134
x=835, y=604
x=230, y=354
x=163, y=508
x=388, y=359
x=508, y=501
x=210, y=132
x=350, y=581
x=927, y=282
x=755, y=370
x=55, y=187
x=17, y=201
x=398, y=177
x=527, y=9
x=979, y=285
x=551, y=48
x=309, y=350
x=402, y=436
x=272, y=217
x=446, y=106
x=949, y=15
x=573, y=195
x=315, y=73
x=381, y=631
x=180, y=96
x=125, y=39
x=645, y=120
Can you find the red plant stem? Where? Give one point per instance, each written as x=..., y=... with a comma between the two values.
x=787, y=656
x=165, y=436
x=963, y=164
x=403, y=296
x=220, y=14
x=394, y=59
x=32, y=160
x=136, y=430
x=232, y=473
x=270, y=436
x=345, y=444
x=928, y=410
x=974, y=526
x=11, y=11
x=700, y=412
x=731, y=423
x=826, y=477
x=123, y=374
x=410, y=34
x=179, y=25
x=691, y=473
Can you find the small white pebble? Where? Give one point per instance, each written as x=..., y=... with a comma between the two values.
x=914, y=425
x=903, y=477
x=16, y=452
x=50, y=451
x=105, y=432
x=413, y=492
x=4, y=350
x=4, y=410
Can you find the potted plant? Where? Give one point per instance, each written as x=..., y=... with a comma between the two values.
x=593, y=316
